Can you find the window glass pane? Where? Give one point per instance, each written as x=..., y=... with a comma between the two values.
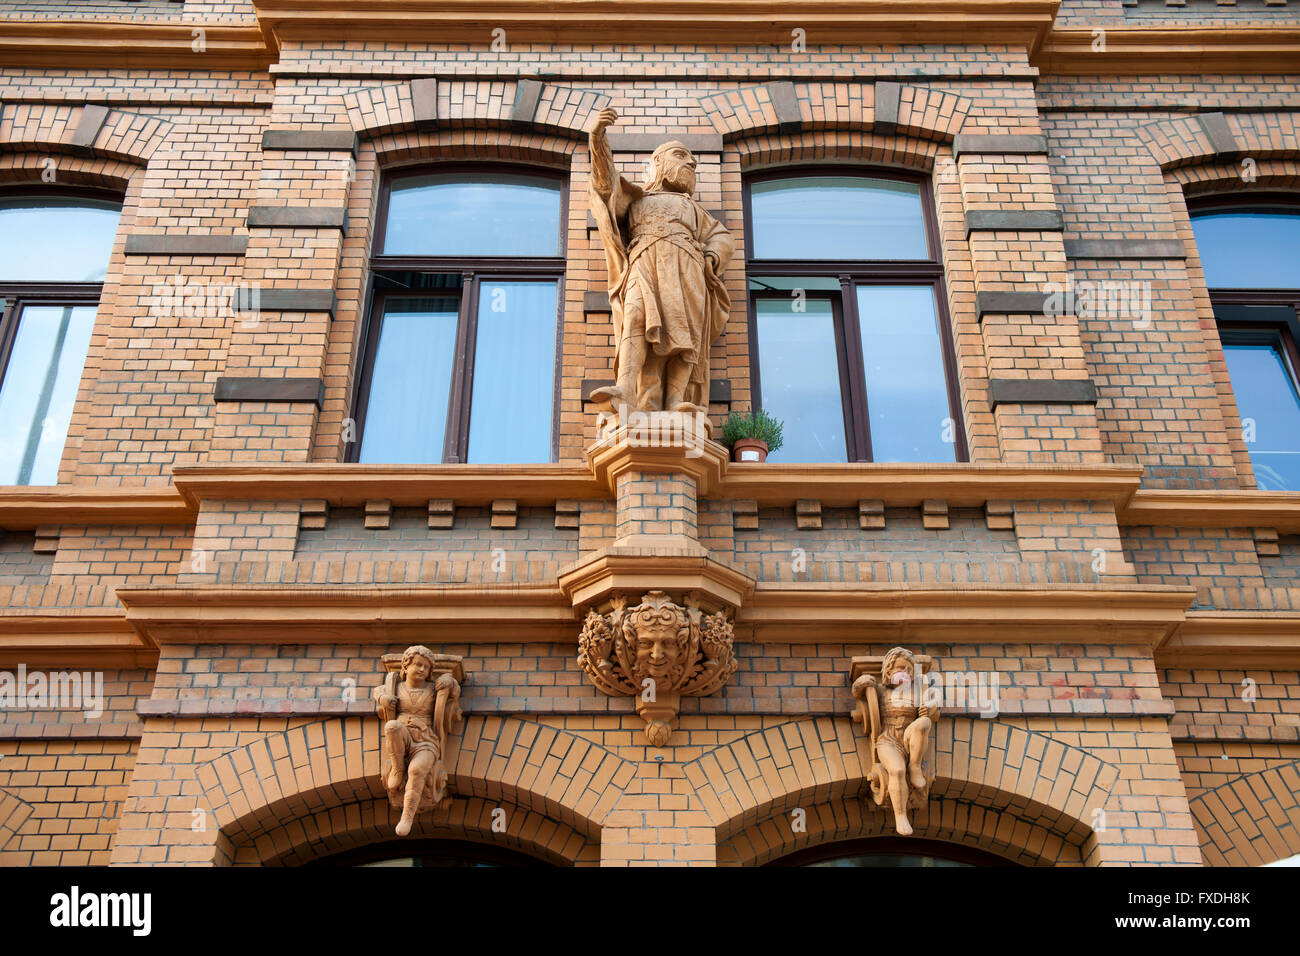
x=1249, y=250
x=55, y=240
x=39, y=389
x=1270, y=412
x=800, y=378
x=406, y=415
x=473, y=214
x=514, y=373
x=837, y=217
x=907, y=390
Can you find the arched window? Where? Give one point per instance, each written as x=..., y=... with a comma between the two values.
x=1250, y=252
x=54, y=252
x=850, y=343
x=460, y=357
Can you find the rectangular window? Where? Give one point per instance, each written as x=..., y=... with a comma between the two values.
x=514, y=373
x=469, y=378
x=460, y=359
x=907, y=390
x=410, y=388
x=41, y=376
x=849, y=346
x=799, y=370
x=1259, y=347
x=54, y=253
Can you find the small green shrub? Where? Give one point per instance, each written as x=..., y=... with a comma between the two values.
x=758, y=425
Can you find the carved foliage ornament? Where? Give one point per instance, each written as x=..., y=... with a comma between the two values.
x=657, y=651
x=419, y=703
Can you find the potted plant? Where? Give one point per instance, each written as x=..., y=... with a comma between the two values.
x=751, y=435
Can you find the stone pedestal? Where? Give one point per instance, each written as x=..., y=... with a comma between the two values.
x=657, y=607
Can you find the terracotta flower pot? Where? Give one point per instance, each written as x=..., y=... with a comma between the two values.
x=749, y=449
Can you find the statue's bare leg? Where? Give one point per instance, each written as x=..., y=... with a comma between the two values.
x=417, y=774
x=395, y=739
x=915, y=739
x=895, y=764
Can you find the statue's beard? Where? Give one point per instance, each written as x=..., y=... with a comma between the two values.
x=678, y=179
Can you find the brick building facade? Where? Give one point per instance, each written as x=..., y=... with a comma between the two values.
x=213, y=540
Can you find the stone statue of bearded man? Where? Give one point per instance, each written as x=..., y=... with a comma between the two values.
x=666, y=256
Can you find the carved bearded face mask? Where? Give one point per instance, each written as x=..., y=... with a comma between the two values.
x=672, y=167
x=660, y=633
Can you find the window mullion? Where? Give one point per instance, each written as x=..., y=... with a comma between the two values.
x=856, y=415
x=456, y=439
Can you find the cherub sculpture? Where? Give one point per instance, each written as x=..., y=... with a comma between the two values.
x=418, y=715
x=893, y=711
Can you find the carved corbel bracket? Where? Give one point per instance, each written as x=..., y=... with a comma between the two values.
x=657, y=651
x=419, y=705
x=898, y=711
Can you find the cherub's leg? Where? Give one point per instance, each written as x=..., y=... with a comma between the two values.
x=895, y=765
x=915, y=739
x=417, y=774
x=396, y=738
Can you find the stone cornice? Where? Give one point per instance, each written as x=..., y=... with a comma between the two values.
x=23, y=508
x=57, y=638
x=1027, y=24
x=1144, y=615
x=961, y=485
x=1229, y=508
x=1235, y=639
x=1011, y=22
x=1187, y=48
x=132, y=45
x=346, y=614
x=345, y=485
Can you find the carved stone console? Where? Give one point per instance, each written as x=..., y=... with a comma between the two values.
x=658, y=651
x=419, y=703
x=894, y=710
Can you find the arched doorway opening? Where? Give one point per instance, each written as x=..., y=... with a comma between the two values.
x=890, y=852
x=430, y=853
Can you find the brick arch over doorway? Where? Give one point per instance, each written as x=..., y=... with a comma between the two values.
x=1028, y=797
x=1251, y=820
x=313, y=789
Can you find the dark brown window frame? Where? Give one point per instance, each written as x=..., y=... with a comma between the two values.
x=472, y=270
x=1236, y=314
x=16, y=296
x=851, y=273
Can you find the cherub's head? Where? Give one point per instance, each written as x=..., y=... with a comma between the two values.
x=417, y=665
x=672, y=167
x=899, y=668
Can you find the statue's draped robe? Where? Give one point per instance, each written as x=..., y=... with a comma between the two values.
x=660, y=283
